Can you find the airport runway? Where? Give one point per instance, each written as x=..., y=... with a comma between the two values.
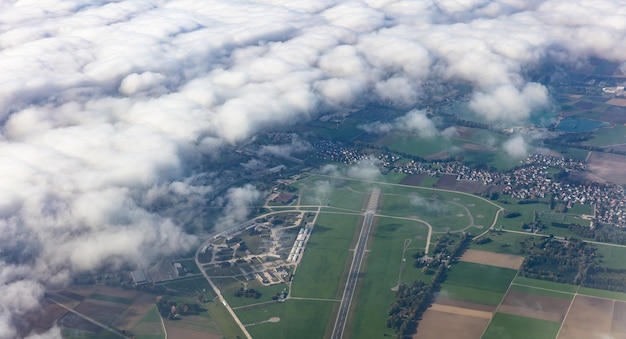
x=355, y=267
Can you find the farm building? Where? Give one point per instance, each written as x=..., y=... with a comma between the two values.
x=138, y=277
x=285, y=198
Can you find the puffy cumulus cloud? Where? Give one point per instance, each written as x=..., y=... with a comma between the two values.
x=509, y=104
x=364, y=170
x=236, y=205
x=296, y=146
x=111, y=112
x=413, y=122
x=432, y=205
x=516, y=147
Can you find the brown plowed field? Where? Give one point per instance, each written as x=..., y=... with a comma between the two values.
x=618, y=327
x=413, y=179
x=493, y=259
x=102, y=311
x=179, y=332
x=534, y=306
x=588, y=317
x=437, y=325
x=449, y=182
x=609, y=167
x=617, y=102
x=47, y=315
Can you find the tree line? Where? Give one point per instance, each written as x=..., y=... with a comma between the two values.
x=414, y=299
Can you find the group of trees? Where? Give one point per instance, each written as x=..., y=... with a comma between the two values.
x=600, y=232
x=511, y=214
x=411, y=302
x=556, y=260
x=570, y=261
x=171, y=310
x=248, y=293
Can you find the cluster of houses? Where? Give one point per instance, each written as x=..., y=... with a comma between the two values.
x=531, y=180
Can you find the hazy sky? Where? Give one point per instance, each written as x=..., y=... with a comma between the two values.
x=108, y=106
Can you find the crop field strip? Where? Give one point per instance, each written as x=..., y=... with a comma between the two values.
x=577, y=312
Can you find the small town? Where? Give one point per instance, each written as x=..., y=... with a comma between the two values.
x=530, y=181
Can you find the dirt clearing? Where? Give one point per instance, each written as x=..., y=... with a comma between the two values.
x=493, y=259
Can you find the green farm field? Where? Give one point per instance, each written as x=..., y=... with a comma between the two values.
x=612, y=256
x=384, y=268
x=469, y=294
x=515, y=327
x=298, y=319
x=228, y=287
x=443, y=215
x=322, y=267
x=541, y=291
x=483, y=277
x=503, y=242
x=149, y=326
x=545, y=284
x=602, y=293
x=606, y=136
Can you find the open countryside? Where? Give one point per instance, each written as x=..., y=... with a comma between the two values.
x=284, y=273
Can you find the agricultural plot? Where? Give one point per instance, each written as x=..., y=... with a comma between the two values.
x=149, y=325
x=439, y=324
x=608, y=166
x=607, y=136
x=132, y=311
x=493, y=259
x=483, y=277
x=579, y=312
x=588, y=317
x=469, y=294
x=516, y=327
x=537, y=306
x=542, y=284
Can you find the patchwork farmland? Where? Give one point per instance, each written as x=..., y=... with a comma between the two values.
x=494, y=302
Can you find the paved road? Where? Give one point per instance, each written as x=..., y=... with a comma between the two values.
x=355, y=267
x=219, y=295
x=91, y=320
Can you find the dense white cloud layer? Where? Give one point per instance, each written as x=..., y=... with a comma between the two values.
x=108, y=107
